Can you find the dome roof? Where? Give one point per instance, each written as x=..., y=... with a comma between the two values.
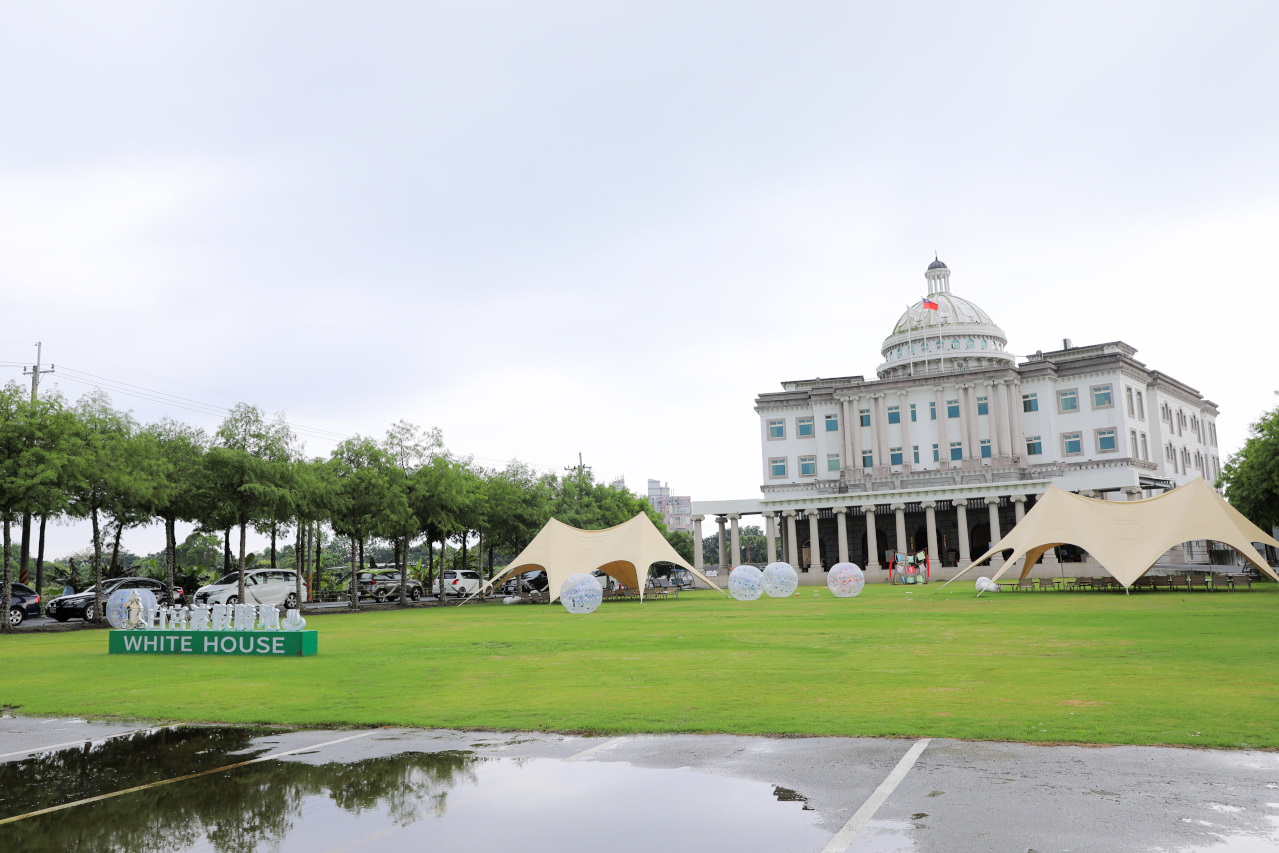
x=937, y=265
x=951, y=310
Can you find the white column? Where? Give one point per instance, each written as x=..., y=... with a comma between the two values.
x=1133, y=493
x=899, y=511
x=903, y=411
x=770, y=533
x=841, y=529
x=1014, y=409
x=930, y=517
x=698, y=562
x=970, y=410
x=1001, y=419
x=735, y=538
x=992, y=509
x=814, y=543
x=992, y=421
x=847, y=420
x=962, y=390
x=965, y=550
x=943, y=446
x=872, y=545
x=1019, y=507
x=723, y=545
x=882, y=454
x=872, y=404
x=792, y=546
x=854, y=404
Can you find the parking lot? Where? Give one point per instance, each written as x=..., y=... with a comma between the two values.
x=406, y=789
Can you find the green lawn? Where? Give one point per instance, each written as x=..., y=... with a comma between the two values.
x=1151, y=668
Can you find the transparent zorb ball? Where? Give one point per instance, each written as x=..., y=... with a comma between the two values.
x=780, y=580
x=982, y=583
x=746, y=583
x=846, y=580
x=581, y=593
x=120, y=614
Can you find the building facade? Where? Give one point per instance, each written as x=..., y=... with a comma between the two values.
x=955, y=437
x=676, y=510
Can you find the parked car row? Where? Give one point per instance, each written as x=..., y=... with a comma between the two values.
x=80, y=605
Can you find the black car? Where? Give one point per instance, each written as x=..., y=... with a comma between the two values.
x=385, y=586
x=25, y=602
x=80, y=604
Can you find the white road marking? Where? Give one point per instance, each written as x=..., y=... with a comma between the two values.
x=605, y=745
x=79, y=742
x=840, y=841
x=181, y=778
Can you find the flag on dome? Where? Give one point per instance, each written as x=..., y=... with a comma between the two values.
x=928, y=303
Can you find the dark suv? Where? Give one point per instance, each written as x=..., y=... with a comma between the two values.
x=385, y=586
x=24, y=603
x=80, y=604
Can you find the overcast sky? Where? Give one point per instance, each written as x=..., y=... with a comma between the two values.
x=605, y=227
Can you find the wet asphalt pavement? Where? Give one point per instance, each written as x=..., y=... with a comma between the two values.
x=405, y=789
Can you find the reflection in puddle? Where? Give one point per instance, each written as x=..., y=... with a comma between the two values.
x=786, y=795
x=884, y=836
x=404, y=801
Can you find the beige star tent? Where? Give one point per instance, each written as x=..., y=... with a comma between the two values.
x=624, y=553
x=1127, y=537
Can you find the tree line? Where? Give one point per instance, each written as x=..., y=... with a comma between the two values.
x=89, y=460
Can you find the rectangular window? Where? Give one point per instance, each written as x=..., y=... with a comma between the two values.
x=894, y=456
x=936, y=453
x=983, y=408
x=1132, y=434
x=1141, y=409
x=952, y=408
x=1107, y=440
x=894, y=415
x=912, y=412
x=1029, y=403
x=1068, y=401
x=1102, y=398
x=868, y=460
x=832, y=461
x=777, y=429
x=1072, y=444
x=1143, y=447
x=956, y=451
x=1128, y=393
x=832, y=423
x=777, y=467
x=865, y=417
x=985, y=448
x=932, y=411
x=1034, y=447
x=914, y=452
x=804, y=427
x=808, y=466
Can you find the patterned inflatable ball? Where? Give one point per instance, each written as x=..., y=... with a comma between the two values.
x=780, y=580
x=746, y=583
x=581, y=593
x=846, y=580
x=117, y=603
x=981, y=583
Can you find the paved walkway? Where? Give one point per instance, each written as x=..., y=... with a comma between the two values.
x=865, y=794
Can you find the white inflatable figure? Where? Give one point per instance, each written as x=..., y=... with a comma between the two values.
x=581, y=593
x=992, y=586
x=982, y=582
x=293, y=621
x=746, y=583
x=243, y=617
x=780, y=580
x=221, y=617
x=846, y=580
x=199, y=618
x=268, y=618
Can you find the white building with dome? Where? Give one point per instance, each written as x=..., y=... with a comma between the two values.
x=953, y=441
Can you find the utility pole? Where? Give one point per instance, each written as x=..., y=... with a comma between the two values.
x=579, y=467
x=24, y=551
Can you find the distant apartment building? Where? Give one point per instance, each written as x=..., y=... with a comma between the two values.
x=676, y=510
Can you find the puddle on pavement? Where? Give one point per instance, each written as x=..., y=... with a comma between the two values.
x=448, y=800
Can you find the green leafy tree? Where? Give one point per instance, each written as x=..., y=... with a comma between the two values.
x=368, y=496
x=1251, y=476
x=409, y=447
x=181, y=449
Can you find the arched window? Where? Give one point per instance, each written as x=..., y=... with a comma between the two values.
x=899, y=352
x=970, y=343
x=983, y=343
x=954, y=344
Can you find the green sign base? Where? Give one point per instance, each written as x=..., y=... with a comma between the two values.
x=261, y=643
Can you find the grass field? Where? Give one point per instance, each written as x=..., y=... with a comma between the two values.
x=1152, y=668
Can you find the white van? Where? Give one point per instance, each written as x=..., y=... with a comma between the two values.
x=464, y=582
x=261, y=586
